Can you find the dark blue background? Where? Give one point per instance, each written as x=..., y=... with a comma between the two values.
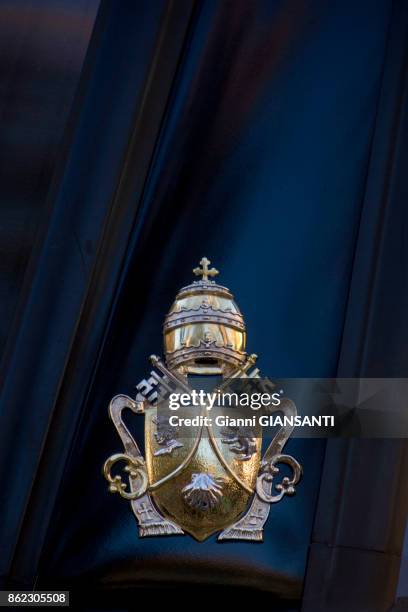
x=261, y=166
x=270, y=156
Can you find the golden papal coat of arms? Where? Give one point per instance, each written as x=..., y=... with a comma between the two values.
x=215, y=480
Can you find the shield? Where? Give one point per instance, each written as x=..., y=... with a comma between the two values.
x=202, y=478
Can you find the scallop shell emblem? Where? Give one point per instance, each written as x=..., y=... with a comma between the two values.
x=204, y=492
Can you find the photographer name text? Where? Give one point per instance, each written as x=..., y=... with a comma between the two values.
x=268, y=420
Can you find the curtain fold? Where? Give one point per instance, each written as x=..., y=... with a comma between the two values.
x=240, y=131
x=261, y=166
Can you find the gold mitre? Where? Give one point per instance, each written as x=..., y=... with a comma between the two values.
x=204, y=332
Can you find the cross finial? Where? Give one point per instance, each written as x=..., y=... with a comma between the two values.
x=205, y=271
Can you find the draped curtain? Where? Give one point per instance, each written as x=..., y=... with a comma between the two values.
x=269, y=137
